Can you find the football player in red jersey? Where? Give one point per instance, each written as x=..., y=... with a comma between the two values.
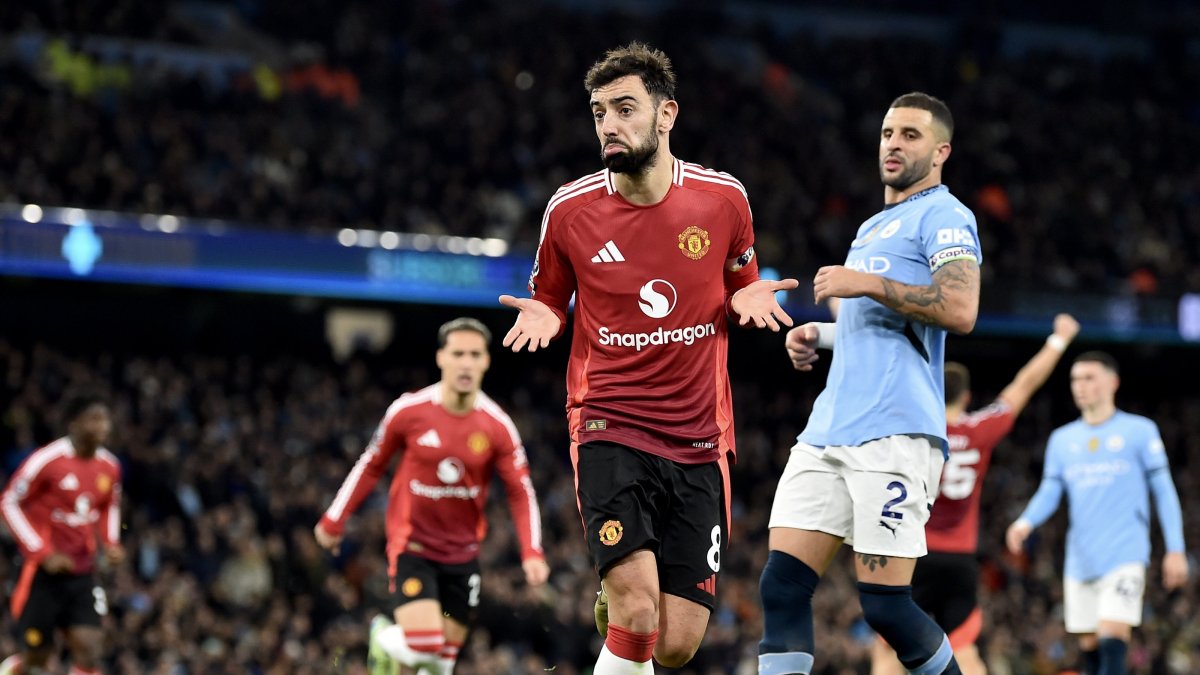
x=946, y=581
x=451, y=437
x=658, y=254
x=59, y=502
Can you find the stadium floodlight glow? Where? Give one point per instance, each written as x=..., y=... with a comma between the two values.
x=455, y=244
x=347, y=237
x=474, y=246
x=168, y=223
x=74, y=216
x=494, y=247
x=389, y=240
x=32, y=213
x=368, y=238
x=422, y=242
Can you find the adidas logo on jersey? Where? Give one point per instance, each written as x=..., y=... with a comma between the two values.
x=69, y=482
x=609, y=253
x=430, y=439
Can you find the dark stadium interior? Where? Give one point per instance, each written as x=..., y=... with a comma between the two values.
x=1077, y=137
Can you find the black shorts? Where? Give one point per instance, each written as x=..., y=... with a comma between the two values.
x=632, y=500
x=59, y=601
x=455, y=587
x=946, y=585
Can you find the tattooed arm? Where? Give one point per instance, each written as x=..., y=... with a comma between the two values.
x=951, y=301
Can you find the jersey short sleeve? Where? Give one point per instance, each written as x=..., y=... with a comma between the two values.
x=949, y=233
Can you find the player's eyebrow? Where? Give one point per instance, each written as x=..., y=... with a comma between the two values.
x=615, y=100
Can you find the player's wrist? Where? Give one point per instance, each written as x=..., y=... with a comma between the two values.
x=1057, y=342
x=826, y=334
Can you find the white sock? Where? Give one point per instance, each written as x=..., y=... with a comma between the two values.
x=611, y=664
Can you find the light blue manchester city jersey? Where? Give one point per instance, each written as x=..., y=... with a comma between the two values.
x=1105, y=471
x=886, y=374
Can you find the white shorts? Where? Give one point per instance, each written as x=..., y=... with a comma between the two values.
x=876, y=496
x=1116, y=596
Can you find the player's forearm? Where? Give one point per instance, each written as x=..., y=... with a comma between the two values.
x=1031, y=377
x=950, y=302
x=1044, y=503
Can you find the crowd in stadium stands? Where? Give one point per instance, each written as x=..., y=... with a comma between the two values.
x=229, y=459
x=463, y=117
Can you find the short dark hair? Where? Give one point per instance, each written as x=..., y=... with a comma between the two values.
x=79, y=403
x=1103, y=358
x=463, y=323
x=936, y=106
x=958, y=381
x=635, y=58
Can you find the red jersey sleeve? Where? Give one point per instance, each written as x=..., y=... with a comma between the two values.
x=513, y=467
x=741, y=265
x=552, y=281
x=25, y=484
x=371, y=465
x=110, y=521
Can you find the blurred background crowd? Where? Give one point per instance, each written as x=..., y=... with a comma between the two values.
x=1076, y=151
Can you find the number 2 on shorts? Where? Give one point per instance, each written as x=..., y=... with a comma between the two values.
x=887, y=512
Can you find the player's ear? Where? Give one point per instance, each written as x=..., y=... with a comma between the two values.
x=667, y=112
x=941, y=153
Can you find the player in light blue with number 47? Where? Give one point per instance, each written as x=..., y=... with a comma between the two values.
x=1108, y=462
x=865, y=470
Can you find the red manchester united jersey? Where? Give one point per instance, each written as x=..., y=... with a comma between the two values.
x=57, y=502
x=437, y=498
x=954, y=522
x=648, y=356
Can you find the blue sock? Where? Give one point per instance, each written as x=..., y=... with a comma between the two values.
x=1112, y=656
x=1091, y=662
x=786, y=587
x=920, y=643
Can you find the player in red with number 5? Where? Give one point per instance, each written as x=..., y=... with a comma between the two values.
x=61, y=499
x=945, y=582
x=658, y=252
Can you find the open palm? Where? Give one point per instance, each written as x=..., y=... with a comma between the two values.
x=536, y=324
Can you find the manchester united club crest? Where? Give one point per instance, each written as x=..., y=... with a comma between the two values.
x=610, y=532
x=694, y=243
x=478, y=442
x=411, y=587
x=103, y=483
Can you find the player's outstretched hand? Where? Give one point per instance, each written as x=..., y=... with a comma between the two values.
x=536, y=324
x=836, y=281
x=1017, y=533
x=756, y=303
x=57, y=563
x=327, y=541
x=1066, y=327
x=536, y=571
x=1174, y=570
x=801, y=344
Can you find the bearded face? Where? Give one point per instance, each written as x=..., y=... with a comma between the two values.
x=619, y=157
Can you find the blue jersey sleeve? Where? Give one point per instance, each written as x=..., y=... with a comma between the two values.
x=1166, y=499
x=949, y=233
x=1049, y=493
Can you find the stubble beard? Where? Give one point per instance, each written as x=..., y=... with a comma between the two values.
x=633, y=161
x=911, y=175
